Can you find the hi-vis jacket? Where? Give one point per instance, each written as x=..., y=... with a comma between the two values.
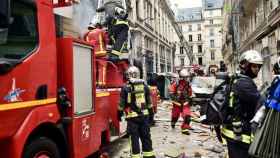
x=99, y=38
x=135, y=99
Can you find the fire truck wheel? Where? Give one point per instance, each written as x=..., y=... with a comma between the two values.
x=41, y=148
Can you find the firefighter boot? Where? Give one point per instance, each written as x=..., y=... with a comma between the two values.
x=185, y=131
x=185, y=127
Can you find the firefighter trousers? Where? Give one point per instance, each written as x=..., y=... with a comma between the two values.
x=237, y=149
x=185, y=112
x=138, y=128
x=120, y=38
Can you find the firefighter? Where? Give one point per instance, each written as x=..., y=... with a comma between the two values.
x=117, y=23
x=97, y=37
x=180, y=93
x=243, y=104
x=135, y=101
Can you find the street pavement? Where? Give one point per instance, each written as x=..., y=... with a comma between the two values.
x=171, y=143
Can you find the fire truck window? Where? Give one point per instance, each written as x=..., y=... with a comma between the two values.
x=22, y=32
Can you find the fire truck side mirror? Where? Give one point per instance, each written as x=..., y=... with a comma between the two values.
x=5, y=67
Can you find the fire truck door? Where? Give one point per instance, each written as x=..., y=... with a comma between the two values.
x=83, y=99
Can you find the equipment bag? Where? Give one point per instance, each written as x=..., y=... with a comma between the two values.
x=217, y=107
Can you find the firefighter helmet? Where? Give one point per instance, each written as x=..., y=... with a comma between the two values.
x=91, y=26
x=174, y=75
x=132, y=72
x=184, y=73
x=96, y=21
x=121, y=13
x=251, y=56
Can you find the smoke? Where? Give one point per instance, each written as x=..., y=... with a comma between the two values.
x=83, y=13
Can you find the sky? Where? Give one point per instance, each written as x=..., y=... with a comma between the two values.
x=187, y=3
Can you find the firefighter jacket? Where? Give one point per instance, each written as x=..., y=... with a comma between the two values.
x=99, y=39
x=243, y=103
x=180, y=91
x=135, y=99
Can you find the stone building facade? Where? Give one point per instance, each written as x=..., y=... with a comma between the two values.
x=252, y=25
x=155, y=36
x=202, y=28
x=191, y=22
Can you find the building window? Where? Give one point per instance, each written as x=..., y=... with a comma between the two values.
x=190, y=27
x=211, y=22
x=137, y=8
x=200, y=60
x=198, y=27
x=191, y=49
x=27, y=35
x=190, y=38
x=199, y=47
x=181, y=50
x=212, y=55
x=199, y=37
x=211, y=12
x=182, y=62
x=149, y=13
x=212, y=43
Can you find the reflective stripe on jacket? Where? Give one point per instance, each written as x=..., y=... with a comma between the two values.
x=121, y=22
x=135, y=114
x=99, y=39
x=243, y=137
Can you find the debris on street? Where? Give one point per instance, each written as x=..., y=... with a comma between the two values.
x=171, y=143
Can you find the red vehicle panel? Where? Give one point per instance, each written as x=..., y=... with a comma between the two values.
x=49, y=96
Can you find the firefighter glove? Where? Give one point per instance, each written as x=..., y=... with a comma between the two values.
x=254, y=127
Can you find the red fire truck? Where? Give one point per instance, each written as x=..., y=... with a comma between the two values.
x=50, y=104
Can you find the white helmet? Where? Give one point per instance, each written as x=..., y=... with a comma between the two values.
x=184, y=73
x=174, y=75
x=133, y=72
x=91, y=26
x=251, y=56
